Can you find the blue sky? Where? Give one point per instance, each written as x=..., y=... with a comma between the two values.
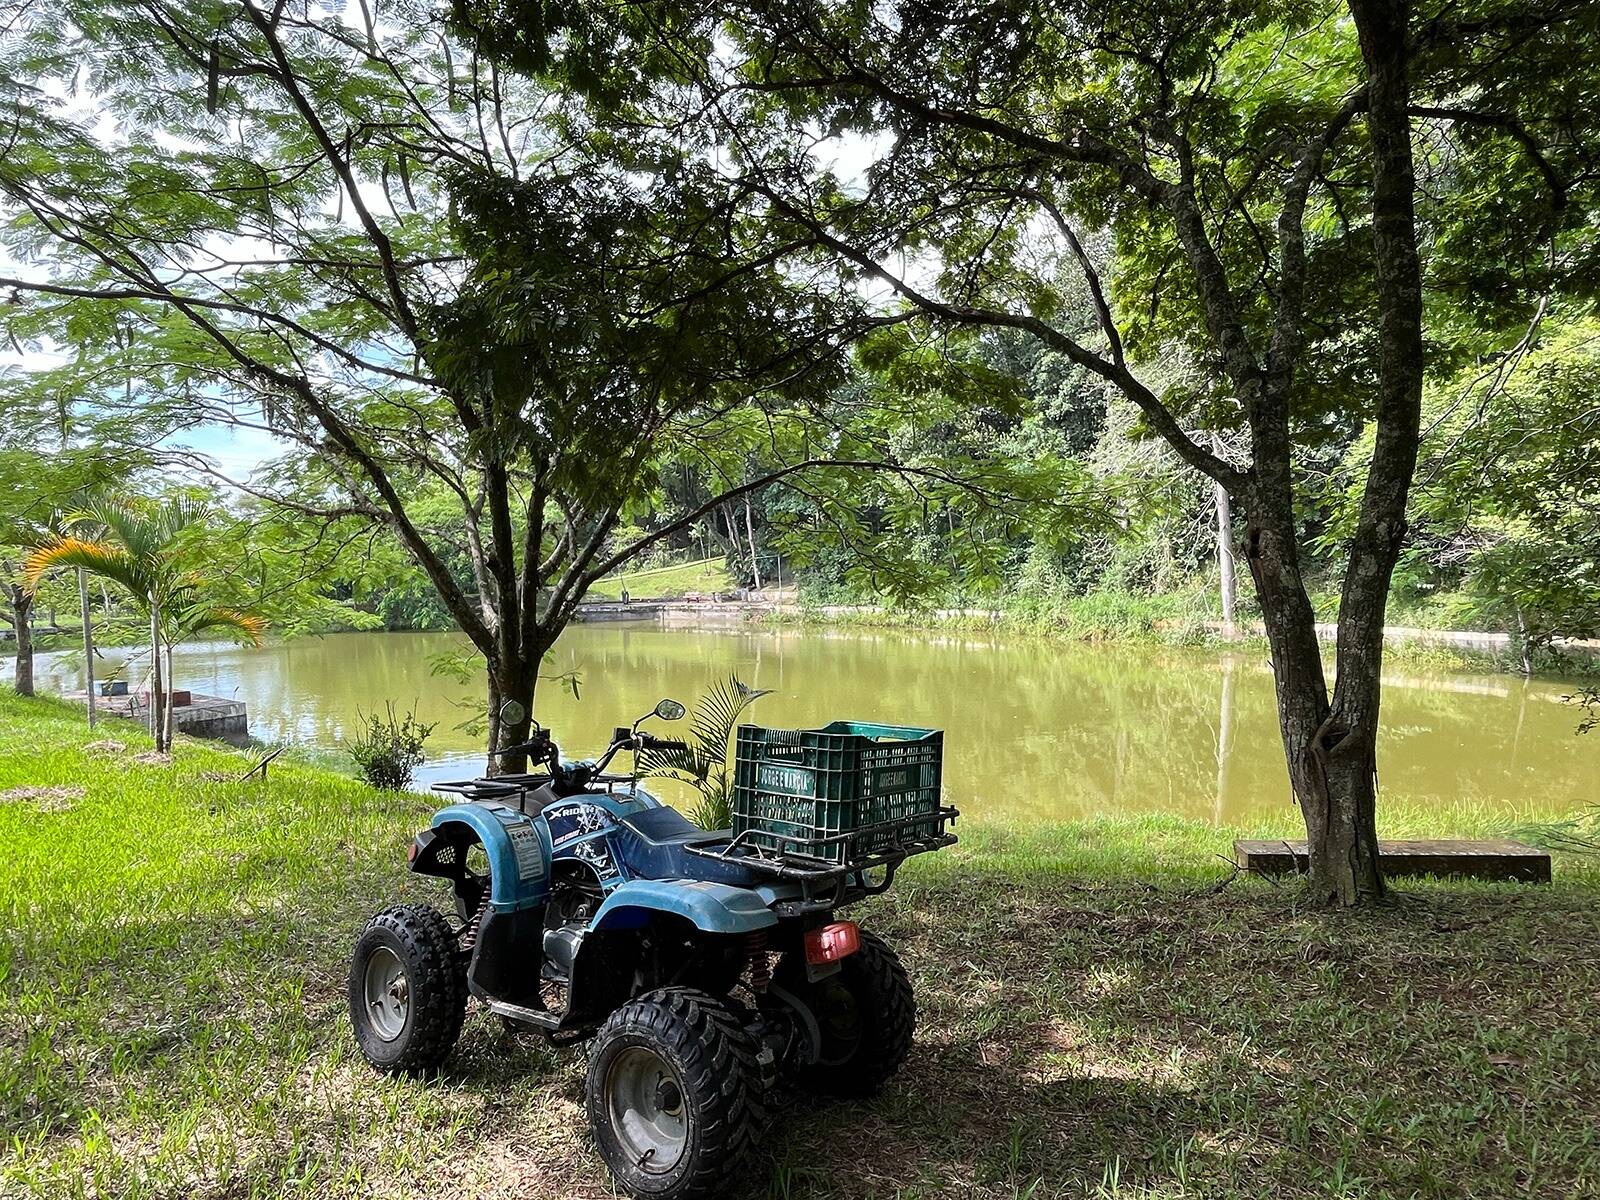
x=235, y=452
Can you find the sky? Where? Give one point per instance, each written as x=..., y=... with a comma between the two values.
x=234, y=452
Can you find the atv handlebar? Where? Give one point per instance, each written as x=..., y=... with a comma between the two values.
x=534, y=746
x=543, y=749
x=648, y=741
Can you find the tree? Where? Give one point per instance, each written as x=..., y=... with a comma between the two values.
x=1506, y=507
x=436, y=282
x=37, y=491
x=1257, y=168
x=148, y=550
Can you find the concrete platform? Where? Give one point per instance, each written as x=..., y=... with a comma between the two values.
x=1500, y=858
x=203, y=716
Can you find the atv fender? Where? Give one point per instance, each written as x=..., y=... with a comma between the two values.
x=710, y=907
x=517, y=846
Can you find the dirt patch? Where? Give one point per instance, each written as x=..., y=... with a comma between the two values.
x=43, y=799
x=107, y=746
x=152, y=758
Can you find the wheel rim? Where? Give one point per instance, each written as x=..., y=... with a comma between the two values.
x=839, y=1021
x=388, y=993
x=648, y=1110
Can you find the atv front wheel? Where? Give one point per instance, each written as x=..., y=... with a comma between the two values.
x=408, y=990
x=865, y=1014
x=674, y=1095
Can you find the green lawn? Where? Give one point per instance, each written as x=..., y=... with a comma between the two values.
x=1098, y=1015
x=706, y=576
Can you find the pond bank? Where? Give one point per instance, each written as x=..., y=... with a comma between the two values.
x=1119, y=618
x=1111, y=1019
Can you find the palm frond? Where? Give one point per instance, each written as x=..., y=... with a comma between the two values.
x=126, y=524
x=689, y=764
x=179, y=513
x=715, y=810
x=249, y=625
x=703, y=763
x=98, y=558
x=718, y=711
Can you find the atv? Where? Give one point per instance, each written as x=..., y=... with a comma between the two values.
x=708, y=971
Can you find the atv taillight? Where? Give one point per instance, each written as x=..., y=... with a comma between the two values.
x=830, y=943
x=411, y=854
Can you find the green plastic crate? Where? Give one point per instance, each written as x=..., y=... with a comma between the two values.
x=796, y=788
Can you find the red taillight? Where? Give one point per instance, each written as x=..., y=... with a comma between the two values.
x=830, y=943
x=411, y=854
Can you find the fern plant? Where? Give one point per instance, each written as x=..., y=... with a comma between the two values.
x=703, y=762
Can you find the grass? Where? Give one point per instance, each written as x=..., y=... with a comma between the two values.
x=705, y=576
x=1095, y=617
x=1099, y=1014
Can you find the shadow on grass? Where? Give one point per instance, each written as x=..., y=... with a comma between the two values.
x=1112, y=1037
x=950, y=1123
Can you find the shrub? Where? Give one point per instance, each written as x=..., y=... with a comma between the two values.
x=388, y=749
x=703, y=761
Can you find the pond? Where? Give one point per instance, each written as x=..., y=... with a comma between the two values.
x=1034, y=729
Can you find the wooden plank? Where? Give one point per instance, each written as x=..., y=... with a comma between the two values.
x=1498, y=858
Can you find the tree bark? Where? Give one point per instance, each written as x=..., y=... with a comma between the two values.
x=1344, y=860
x=514, y=676
x=22, y=620
x=88, y=643
x=155, y=675
x=750, y=532
x=166, y=703
x=1336, y=796
x=733, y=538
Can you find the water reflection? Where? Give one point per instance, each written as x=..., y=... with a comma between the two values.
x=1034, y=729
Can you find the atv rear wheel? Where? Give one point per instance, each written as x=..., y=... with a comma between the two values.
x=408, y=990
x=674, y=1095
x=865, y=1015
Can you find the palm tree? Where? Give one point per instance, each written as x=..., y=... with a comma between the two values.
x=703, y=762
x=143, y=548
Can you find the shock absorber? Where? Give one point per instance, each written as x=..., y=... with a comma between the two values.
x=469, y=936
x=760, y=966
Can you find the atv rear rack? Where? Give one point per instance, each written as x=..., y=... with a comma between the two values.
x=826, y=885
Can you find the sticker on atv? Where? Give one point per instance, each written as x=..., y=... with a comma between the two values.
x=574, y=820
x=530, y=855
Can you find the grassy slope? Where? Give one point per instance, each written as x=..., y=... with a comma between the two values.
x=1096, y=1016
x=706, y=576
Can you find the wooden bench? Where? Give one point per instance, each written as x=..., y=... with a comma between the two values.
x=1500, y=858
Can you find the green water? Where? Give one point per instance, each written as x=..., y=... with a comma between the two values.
x=1033, y=729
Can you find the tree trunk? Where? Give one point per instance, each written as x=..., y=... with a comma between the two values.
x=750, y=532
x=88, y=643
x=515, y=676
x=155, y=674
x=22, y=619
x=166, y=704
x=733, y=537
x=1336, y=799
x=1344, y=858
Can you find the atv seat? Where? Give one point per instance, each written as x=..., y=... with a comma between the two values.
x=653, y=846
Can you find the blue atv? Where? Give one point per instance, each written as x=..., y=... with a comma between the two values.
x=707, y=970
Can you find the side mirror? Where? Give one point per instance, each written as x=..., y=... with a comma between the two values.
x=512, y=712
x=670, y=710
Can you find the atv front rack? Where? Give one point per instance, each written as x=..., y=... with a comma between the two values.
x=826, y=885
